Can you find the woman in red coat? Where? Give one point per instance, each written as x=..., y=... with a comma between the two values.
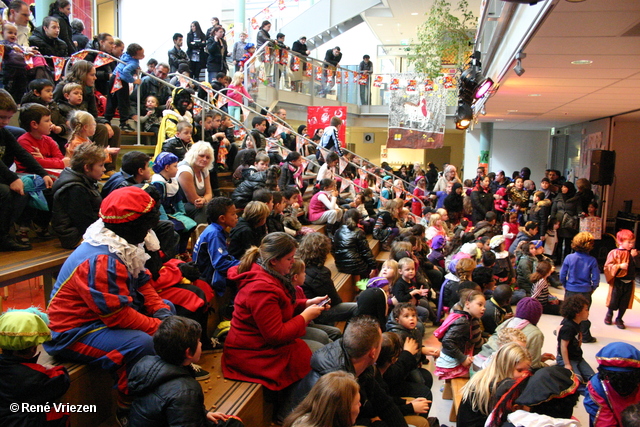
x=264, y=344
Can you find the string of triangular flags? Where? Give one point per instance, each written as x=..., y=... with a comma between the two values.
x=59, y=61
x=267, y=13
x=412, y=85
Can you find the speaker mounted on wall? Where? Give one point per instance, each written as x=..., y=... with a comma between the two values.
x=603, y=165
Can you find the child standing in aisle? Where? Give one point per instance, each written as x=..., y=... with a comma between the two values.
x=126, y=72
x=580, y=276
x=619, y=271
x=460, y=336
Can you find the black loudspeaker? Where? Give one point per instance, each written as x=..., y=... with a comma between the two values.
x=603, y=165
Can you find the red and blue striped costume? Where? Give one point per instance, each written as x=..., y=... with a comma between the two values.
x=100, y=314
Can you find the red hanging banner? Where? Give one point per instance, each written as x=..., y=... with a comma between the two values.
x=117, y=84
x=320, y=118
x=58, y=67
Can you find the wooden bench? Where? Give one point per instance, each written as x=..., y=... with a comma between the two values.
x=452, y=391
x=382, y=256
x=147, y=138
x=45, y=259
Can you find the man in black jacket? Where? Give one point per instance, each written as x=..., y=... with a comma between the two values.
x=177, y=56
x=332, y=57
x=356, y=353
x=45, y=38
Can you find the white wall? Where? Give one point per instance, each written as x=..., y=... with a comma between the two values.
x=152, y=24
x=355, y=43
x=511, y=150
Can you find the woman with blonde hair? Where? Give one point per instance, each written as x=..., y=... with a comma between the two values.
x=264, y=344
x=449, y=177
x=250, y=229
x=334, y=401
x=511, y=361
x=193, y=176
x=237, y=94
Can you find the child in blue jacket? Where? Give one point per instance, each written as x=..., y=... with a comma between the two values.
x=126, y=72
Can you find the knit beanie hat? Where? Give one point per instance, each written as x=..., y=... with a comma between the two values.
x=529, y=309
x=438, y=242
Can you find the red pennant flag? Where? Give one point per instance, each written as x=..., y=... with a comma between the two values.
x=295, y=65
x=284, y=57
x=346, y=77
x=267, y=54
x=254, y=23
x=197, y=110
x=363, y=79
x=395, y=84
x=342, y=165
x=428, y=85
x=412, y=85
x=308, y=70
x=80, y=55
x=330, y=73
x=448, y=82
x=318, y=73
x=28, y=59
x=183, y=82
x=338, y=76
x=117, y=84
x=58, y=67
x=377, y=82
x=281, y=5
x=356, y=77
x=1, y=53
x=267, y=13
x=103, y=59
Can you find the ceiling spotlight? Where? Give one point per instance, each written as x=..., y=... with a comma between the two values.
x=464, y=115
x=582, y=62
x=484, y=87
x=518, y=68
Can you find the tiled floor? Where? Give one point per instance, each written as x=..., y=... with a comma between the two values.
x=604, y=333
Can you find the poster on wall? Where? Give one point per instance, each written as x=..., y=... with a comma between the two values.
x=416, y=117
x=320, y=118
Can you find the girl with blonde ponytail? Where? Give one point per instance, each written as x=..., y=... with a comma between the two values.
x=83, y=127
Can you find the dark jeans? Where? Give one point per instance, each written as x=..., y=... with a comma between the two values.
x=11, y=206
x=119, y=100
x=585, y=327
x=620, y=297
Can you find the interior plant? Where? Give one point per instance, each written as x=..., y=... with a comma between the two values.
x=444, y=38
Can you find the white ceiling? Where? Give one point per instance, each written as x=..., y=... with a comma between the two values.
x=568, y=93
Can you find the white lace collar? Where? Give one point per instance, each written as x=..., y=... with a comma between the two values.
x=134, y=257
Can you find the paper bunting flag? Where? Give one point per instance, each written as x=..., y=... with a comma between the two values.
x=299, y=144
x=428, y=85
x=209, y=91
x=308, y=70
x=338, y=76
x=305, y=164
x=344, y=184
x=28, y=59
x=377, y=82
x=395, y=84
x=363, y=79
x=342, y=165
x=267, y=13
x=281, y=5
x=254, y=23
x=346, y=77
x=412, y=85
x=267, y=54
x=330, y=73
x=448, y=82
x=319, y=73
x=356, y=77
x=58, y=67
x=1, y=53
x=324, y=152
x=295, y=65
x=117, y=84
x=102, y=59
x=197, y=110
x=284, y=57
x=80, y=55
x=182, y=81
x=363, y=176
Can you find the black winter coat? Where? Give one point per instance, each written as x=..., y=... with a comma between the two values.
x=244, y=192
x=375, y=401
x=286, y=179
x=242, y=237
x=48, y=46
x=197, y=45
x=70, y=191
x=352, y=253
x=66, y=32
x=217, y=60
x=317, y=282
x=457, y=337
x=569, y=206
x=539, y=213
x=165, y=395
x=175, y=146
x=482, y=202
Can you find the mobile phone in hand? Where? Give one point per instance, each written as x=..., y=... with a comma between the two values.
x=324, y=302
